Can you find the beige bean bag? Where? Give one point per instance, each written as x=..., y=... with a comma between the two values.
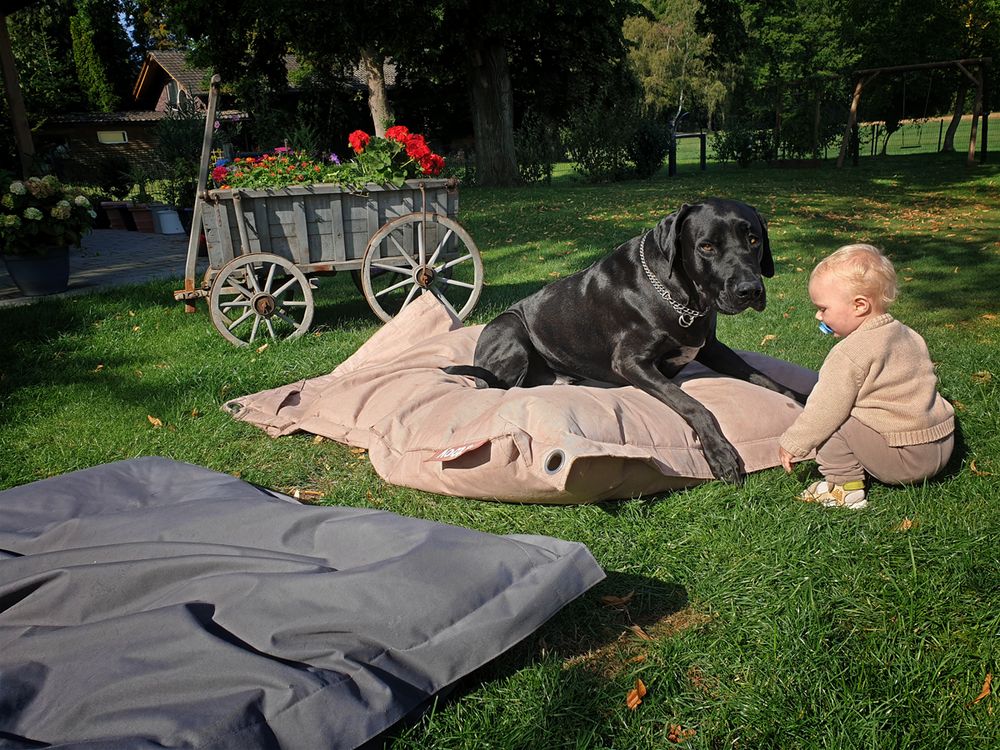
x=437, y=432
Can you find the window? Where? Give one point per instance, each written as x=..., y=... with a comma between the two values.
x=112, y=136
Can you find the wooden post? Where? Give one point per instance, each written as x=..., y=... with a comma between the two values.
x=703, y=138
x=985, y=78
x=672, y=156
x=18, y=115
x=852, y=118
x=191, y=264
x=977, y=109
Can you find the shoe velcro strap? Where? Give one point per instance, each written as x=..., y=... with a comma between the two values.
x=858, y=484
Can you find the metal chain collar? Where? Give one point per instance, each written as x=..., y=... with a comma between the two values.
x=687, y=314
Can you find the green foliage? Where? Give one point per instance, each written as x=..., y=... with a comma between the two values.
x=101, y=52
x=537, y=145
x=741, y=143
x=773, y=624
x=42, y=48
x=178, y=150
x=649, y=146
x=113, y=176
x=39, y=213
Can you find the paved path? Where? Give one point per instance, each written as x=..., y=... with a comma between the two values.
x=113, y=257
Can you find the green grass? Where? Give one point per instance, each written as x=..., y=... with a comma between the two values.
x=773, y=624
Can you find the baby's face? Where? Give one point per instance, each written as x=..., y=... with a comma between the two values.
x=838, y=307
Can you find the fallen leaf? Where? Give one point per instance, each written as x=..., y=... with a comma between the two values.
x=905, y=525
x=768, y=337
x=907, y=278
x=154, y=421
x=99, y=368
x=195, y=413
x=982, y=377
x=978, y=472
x=617, y=601
x=635, y=695
x=317, y=440
x=261, y=348
x=358, y=451
x=986, y=689
x=135, y=328
x=640, y=632
x=988, y=316
x=138, y=373
x=637, y=659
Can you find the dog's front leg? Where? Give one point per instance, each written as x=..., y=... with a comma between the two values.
x=722, y=457
x=718, y=357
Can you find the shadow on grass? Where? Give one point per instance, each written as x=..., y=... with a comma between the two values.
x=597, y=644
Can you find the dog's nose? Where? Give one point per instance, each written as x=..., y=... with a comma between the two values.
x=749, y=291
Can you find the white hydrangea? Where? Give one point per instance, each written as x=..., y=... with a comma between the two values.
x=81, y=200
x=33, y=213
x=17, y=188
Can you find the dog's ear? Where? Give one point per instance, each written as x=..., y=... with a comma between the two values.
x=766, y=259
x=667, y=234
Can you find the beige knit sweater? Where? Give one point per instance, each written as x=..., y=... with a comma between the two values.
x=881, y=374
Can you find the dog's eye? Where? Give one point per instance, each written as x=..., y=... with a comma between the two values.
x=754, y=239
x=706, y=247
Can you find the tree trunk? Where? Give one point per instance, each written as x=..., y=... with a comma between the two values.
x=956, y=118
x=493, y=115
x=378, y=100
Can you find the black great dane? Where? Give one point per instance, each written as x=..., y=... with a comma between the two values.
x=640, y=314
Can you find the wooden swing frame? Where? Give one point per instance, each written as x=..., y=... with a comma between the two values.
x=976, y=69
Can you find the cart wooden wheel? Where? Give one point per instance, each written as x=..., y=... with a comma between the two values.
x=260, y=295
x=421, y=253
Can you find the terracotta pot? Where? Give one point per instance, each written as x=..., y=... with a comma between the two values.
x=37, y=275
x=142, y=215
x=117, y=212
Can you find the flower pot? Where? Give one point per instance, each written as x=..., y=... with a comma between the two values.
x=166, y=220
x=142, y=215
x=116, y=212
x=37, y=275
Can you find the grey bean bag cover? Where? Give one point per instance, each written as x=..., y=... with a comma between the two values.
x=151, y=603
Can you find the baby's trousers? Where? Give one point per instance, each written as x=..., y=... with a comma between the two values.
x=856, y=448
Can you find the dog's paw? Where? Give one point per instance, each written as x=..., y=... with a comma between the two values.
x=724, y=461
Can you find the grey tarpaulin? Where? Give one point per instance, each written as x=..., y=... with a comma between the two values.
x=150, y=603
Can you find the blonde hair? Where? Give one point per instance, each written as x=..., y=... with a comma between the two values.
x=864, y=269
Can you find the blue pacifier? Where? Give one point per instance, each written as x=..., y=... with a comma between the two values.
x=824, y=328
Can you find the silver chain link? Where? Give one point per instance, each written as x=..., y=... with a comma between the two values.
x=687, y=314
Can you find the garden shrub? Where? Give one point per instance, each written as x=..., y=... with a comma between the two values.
x=598, y=138
x=538, y=148
x=649, y=146
x=113, y=176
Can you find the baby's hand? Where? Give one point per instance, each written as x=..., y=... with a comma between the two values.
x=786, y=459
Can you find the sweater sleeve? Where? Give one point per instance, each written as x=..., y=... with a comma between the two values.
x=829, y=405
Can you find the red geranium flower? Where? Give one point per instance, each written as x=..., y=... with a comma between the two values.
x=417, y=148
x=432, y=164
x=358, y=140
x=398, y=133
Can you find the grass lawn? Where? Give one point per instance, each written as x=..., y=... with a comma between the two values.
x=770, y=623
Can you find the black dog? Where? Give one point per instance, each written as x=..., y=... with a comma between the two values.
x=639, y=315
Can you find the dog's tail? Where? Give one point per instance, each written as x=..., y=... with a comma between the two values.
x=479, y=373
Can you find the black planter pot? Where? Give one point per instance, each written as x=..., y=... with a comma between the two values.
x=37, y=275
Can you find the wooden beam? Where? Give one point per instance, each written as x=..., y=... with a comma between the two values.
x=977, y=109
x=18, y=114
x=925, y=66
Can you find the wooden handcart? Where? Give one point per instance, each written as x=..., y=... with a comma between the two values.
x=265, y=248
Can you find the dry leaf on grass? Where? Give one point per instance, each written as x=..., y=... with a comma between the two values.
x=99, y=368
x=635, y=695
x=905, y=525
x=768, y=337
x=678, y=734
x=317, y=439
x=982, y=377
x=640, y=632
x=986, y=689
x=978, y=472
x=154, y=421
x=358, y=451
x=637, y=659
x=617, y=601
x=261, y=348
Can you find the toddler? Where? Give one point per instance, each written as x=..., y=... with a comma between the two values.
x=875, y=408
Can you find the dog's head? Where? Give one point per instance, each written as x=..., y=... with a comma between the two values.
x=721, y=246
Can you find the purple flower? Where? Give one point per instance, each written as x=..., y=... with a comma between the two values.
x=334, y=158
x=282, y=150
x=218, y=124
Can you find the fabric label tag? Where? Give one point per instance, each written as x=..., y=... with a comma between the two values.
x=450, y=454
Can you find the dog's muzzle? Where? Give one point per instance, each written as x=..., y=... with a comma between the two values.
x=741, y=295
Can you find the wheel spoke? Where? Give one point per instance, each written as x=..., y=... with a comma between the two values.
x=395, y=269
x=402, y=251
x=453, y=282
x=444, y=301
x=454, y=262
x=284, y=287
x=285, y=318
x=440, y=247
x=240, y=319
x=252, y=277
x=235, y=303
x=270, y=277
x=409, y=297
x=394, y=287
x=253, y=331
x=240, y=288
x=422, y=251
x=270, y=328
x=293, y=303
